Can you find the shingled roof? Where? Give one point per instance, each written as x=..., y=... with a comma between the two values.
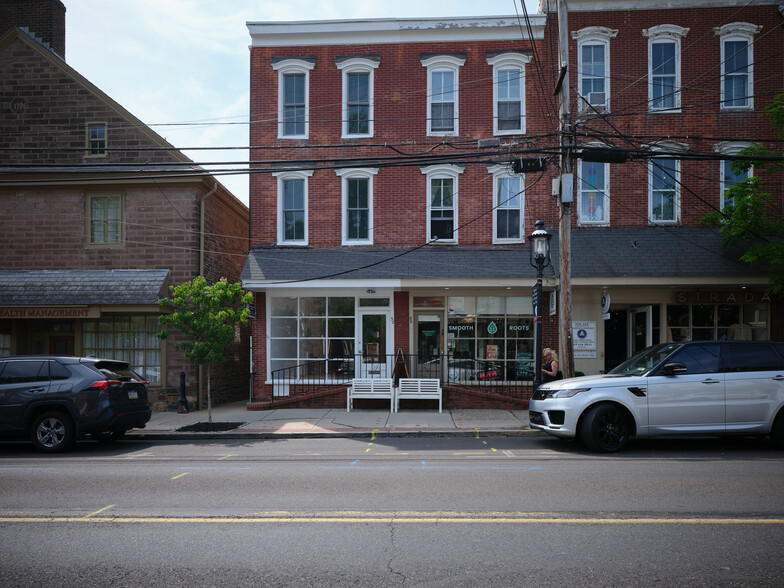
x=599, y=252
x=78, y=287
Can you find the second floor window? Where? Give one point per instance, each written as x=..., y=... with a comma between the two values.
x=509, y=209
x=593, y=206
x=106, y=219
x=664, y=202
x=293, y=210
x=728, y=179
x=442, y=209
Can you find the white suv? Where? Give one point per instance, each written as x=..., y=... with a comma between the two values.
x=699, y=387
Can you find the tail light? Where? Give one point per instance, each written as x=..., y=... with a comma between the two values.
x=104, y=384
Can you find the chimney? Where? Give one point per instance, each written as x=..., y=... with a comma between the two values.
x=43, y=19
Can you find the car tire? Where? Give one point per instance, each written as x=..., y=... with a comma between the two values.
x=53, y=432
x=605, y=428
x=109, y=436
x=777, y=434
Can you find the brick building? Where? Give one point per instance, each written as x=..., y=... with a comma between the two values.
x=386, y=218
x=99, y=215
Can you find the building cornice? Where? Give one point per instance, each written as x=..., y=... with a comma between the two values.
x=550, y=6
x=392, y=30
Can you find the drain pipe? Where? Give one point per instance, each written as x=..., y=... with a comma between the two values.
x=202, y=240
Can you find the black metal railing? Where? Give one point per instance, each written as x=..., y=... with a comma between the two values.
x=507, y=377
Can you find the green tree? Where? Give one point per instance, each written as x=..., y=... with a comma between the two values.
x=208, y=317
x=753, y=217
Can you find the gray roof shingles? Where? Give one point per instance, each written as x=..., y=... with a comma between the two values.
x=79, y=287
x=596, y=252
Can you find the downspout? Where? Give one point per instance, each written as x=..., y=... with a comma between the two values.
x=203, y=199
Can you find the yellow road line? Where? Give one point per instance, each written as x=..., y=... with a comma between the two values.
x=99, y=511
x=226, y=456
x=180, y=476
x=403, y=519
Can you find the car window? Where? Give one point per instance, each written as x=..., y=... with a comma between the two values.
x=750, y=357
x=698, y=359
x=117, y=371
x=58, y=371
x=20, y=372
x=644, y=361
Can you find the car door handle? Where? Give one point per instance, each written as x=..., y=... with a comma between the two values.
x=37, y=389
x=711, y=381
x=778, y=378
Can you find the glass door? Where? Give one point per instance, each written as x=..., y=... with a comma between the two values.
x=429, y=346
x=373, y=341
x=640, y=329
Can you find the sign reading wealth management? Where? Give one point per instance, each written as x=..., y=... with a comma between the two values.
x=48, y=313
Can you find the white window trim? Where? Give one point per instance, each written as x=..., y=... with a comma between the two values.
x=594, y=36
x=357, y=65
x=293, y=66
x=509, y=61
x=437, y=172
x=729, y=148
x=677, y=198
x=443, y=63
x=104, y=152
x=292, y=175
x=605, y=222
x=738, y=31
x=353, y=173
x=499, y=172
x=671, y=34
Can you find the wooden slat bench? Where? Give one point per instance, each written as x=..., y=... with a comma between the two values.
x=371, y=388
x=418, y=389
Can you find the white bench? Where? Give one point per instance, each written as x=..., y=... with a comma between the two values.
x=371, y=388
x=418, y=389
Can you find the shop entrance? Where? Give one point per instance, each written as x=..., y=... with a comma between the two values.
x=429, y=342
x=615, y=334
x=373, y=341
x=640, y=329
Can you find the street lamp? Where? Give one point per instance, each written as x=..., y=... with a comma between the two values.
x=540, y=259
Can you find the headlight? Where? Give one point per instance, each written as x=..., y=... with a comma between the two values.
x=566, y=393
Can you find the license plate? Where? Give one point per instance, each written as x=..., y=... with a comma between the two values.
x=133, y=395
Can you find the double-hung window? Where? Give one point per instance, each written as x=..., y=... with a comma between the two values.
x=593, y=51
x=357, y=198
x=442, y=93
x=664, y=66
x=664, y=187
x=442, y=194
x=96, y=139
x=728, y=176
x=508, y=205
x=737, y=71
x=357, y=107
x=293, y=207
x=594, y=203
x=105, y=212
x=508, y=92
x=293, y=96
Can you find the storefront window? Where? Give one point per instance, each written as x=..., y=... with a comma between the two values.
x=498, y=337
x=313, y=332
x=706, y=322
x=126, y=338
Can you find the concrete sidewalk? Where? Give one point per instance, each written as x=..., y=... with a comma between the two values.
x=239, y=423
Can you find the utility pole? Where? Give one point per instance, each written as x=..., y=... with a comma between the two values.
x=566, y=196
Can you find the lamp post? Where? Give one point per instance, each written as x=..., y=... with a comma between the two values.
x=540, y=259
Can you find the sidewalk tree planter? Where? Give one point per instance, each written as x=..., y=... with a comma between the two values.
x=208, y=316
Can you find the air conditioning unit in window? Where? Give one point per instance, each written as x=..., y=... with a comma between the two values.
x=597, y=100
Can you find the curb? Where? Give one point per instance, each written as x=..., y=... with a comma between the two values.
x=358, y=434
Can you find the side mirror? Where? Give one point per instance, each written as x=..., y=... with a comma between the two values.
x=673, y=369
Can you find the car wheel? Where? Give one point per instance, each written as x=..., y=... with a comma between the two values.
x=109, y=436
x=605, y=428
x=778, y=430
x=53, y=432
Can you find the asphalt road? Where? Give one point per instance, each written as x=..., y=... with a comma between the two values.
x=530, y=511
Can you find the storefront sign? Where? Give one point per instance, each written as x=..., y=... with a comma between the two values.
x=737, y=297
x=49, y=313
x=584, y=336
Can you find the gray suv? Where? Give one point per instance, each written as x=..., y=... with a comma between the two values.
x=55, y=400
x=699, y=387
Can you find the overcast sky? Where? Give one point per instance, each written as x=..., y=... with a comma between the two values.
x=186, y=61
